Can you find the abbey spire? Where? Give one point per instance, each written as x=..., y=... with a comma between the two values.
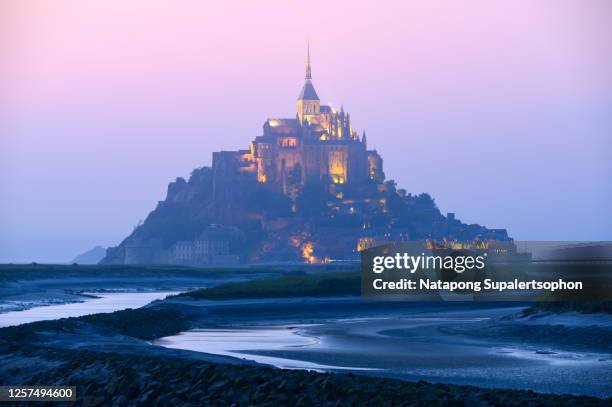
x=308, y=71
x=308, y=103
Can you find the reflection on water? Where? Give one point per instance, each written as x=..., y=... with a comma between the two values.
x=237, y=343
x=409, y=348
x=106, y=302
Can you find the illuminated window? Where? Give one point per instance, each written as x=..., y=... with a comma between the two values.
x=288, y=142
x=337, y=167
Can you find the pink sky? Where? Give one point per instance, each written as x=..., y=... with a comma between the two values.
x=500, y=110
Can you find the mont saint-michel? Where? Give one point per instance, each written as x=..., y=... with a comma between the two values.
x=307, y=189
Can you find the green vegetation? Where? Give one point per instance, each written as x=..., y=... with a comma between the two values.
x=143, y=323
x=323, y=284
x=13, y=272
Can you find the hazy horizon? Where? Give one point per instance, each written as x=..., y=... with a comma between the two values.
x=500, y=111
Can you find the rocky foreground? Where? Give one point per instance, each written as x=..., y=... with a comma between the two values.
x=112, y=379
x=104, y=379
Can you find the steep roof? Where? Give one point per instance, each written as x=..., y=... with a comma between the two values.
x=308, y=92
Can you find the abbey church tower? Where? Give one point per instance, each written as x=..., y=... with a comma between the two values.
x=308, y=103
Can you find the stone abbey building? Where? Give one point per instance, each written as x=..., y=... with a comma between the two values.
x=307, y=189
x=318, y=145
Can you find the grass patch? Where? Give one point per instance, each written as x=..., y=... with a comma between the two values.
x=143, y=323
x=15, y=272
x=310, y=285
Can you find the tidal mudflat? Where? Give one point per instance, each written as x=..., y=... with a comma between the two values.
x=111, y=360
x=31, y=293
x=245, y=342
x=189, y=349
x=459, y=345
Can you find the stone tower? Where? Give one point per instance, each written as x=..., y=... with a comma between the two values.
x=308, y=103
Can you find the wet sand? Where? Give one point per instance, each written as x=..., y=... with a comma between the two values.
x=440, y=345
x=485, y=345
x=19, y=295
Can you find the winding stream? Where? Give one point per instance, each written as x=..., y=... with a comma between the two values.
x=104, y=302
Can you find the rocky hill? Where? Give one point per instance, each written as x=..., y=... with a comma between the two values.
x=251, y=222
x=92, y=256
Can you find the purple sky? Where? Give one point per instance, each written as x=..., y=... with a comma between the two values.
x=500, y=110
